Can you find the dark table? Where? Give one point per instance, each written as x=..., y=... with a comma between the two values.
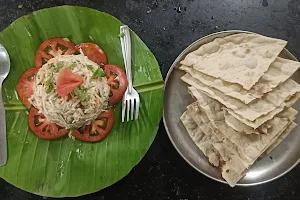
x=167, y=27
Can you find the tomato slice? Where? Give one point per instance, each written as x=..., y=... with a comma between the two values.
x=43, y=128
x=25, y=87
x=67, y=81
x=51, y=48
x=93, y=52
x=97, y=130
x=117, y=81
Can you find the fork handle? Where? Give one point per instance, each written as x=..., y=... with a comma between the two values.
x=127, y=55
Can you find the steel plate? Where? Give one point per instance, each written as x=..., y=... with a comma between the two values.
x=283, y=159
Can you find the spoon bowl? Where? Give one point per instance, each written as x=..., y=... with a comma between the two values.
x=4, y=70
x=4, y=63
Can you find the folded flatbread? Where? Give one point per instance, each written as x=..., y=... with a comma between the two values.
x=262, y=119
x=264, y=128
x=203, y=141
x=240, y=58
x=231, y=166
x=219, y=150
x=200, y=116
x=285, y=133
x=256, y=108
x=251, y=146
x=279, y=71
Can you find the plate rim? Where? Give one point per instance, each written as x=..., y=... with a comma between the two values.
x=171, y=69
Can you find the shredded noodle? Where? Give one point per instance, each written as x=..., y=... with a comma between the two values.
x=70, y=112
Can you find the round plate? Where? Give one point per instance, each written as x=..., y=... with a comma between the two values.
x=63, y=167
x=284, y=158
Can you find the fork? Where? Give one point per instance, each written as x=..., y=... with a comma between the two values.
x=131, y=99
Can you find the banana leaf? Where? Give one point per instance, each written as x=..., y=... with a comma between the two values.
x=63, y=167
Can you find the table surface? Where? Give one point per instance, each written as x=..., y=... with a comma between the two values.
x=167, y=27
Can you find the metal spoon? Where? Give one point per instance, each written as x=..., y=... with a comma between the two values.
x=4, y=70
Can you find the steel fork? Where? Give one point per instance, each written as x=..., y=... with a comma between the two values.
x=131, y=99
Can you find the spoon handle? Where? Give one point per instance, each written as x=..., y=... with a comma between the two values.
x=3, y=142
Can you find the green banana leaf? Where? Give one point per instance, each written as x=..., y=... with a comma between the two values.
x=65, y=167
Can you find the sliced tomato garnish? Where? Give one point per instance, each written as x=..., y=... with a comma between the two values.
x=117, y=81
x=93, y=52
x=97, y=130
x=43, y=128
x=51, y=48
x=25, y=87
x=67, y=81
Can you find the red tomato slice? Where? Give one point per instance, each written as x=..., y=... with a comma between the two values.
x=97, y=130
x=93, y=52
x=117, y=81
x=43, y=128
x=67, y=81
x=25, y=87
x=51, y=48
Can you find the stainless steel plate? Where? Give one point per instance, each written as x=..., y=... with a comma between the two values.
x=283, y=159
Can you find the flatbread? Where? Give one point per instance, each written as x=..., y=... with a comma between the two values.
x=233, y=171
x=285, y=133
x=197, y=113
x=200, y=116
x=201, y=140
x=251, y=146
x=256, y=108
x=279, y=71
x=232, y=167
x=240, y=58
x=261, y=120
x=224, y=152
x=264, y=128
x=230, y=162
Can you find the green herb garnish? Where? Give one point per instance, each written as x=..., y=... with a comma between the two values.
x=107, y=106
x=82, y=94
x=97, y=72
x=48, y=86
x=91, y=68
x=60, y=64
x=72, y=66
x=102, y=94
x=52, y=65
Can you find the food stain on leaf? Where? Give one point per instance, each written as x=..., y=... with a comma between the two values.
x=69, y=156
x=61, y=169
x=79, y=154
x=91, y=38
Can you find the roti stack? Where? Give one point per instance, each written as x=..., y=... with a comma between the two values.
x=243, y=95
